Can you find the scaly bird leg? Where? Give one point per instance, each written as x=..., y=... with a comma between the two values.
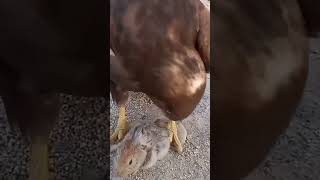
x=173, y=135
x=40, y=162
x=122, y=128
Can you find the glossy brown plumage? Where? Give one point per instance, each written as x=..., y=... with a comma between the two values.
x=260, y=52
x=162, y=49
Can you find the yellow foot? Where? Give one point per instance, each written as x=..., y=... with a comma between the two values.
x=174, y=137
x=122, y=128
x=118, y=135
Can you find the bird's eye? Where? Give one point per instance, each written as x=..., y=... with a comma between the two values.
x=130, y=162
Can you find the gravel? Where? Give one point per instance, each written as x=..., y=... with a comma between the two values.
x=79, y=142
x=194, y=162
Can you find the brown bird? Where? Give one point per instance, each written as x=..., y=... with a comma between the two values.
x=259, y=73
x=162, y=49
x=48, y=47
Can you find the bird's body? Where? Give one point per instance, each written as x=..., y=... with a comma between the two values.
x=161, y=49
x=260, y=66
x=155, y=45
x=49, y=47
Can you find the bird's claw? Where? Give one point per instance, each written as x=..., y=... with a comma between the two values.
x=118, y=135
x=122, y=128
x=173, y=136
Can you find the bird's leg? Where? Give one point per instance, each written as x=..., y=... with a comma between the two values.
x=173, y=135
x=122, y=128
x=35, y=115
x=39, y=165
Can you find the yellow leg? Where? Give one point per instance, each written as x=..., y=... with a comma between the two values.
x=173, y=135
x=122, y=128
x=39, y=162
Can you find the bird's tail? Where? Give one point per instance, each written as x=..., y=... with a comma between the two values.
x=203, y=39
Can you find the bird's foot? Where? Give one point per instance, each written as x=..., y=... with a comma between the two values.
x=122, y=128
x=174, y=136
x=118, y=134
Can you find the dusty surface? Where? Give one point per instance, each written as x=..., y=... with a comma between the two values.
x=79, y=141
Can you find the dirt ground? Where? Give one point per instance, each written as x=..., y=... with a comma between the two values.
x=194, y=162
